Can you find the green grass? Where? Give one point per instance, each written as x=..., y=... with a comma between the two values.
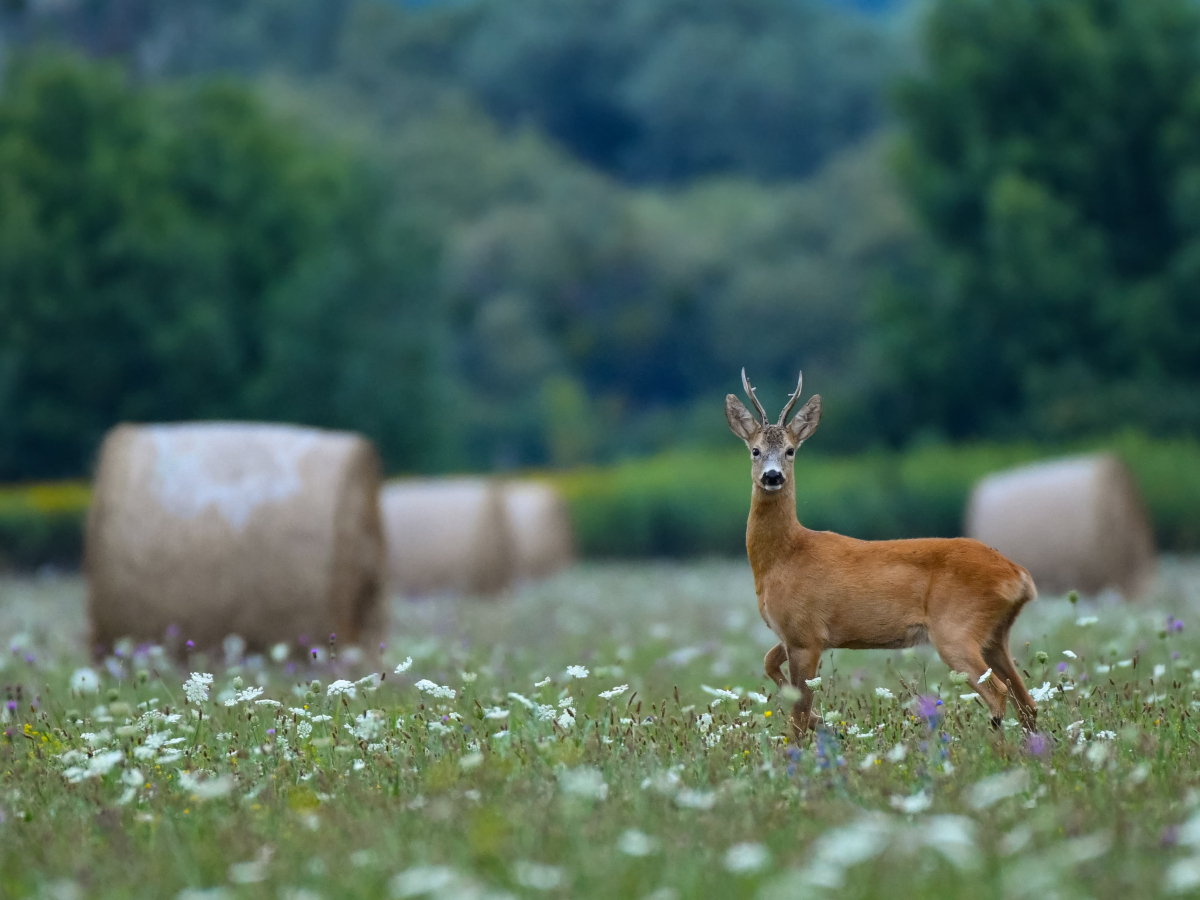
x=721, y=808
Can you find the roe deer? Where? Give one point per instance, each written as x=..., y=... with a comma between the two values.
x=819, y=591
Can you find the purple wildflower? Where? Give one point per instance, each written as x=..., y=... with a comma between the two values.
x=1062, y=667
x=1036, y=744
x=1174, y=625
x=270, y=731
x=191, y=644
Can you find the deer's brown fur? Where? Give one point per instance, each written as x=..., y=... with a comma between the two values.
x=818, y=590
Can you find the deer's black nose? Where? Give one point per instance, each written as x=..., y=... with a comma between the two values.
x=772, y=478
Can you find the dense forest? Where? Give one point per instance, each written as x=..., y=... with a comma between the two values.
x=550, y=232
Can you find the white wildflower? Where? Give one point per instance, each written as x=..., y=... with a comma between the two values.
x=744, y=858
x=303, y=729
x=1159, y=671
x=897, y=753
x=813, y=683
x=274, y=704
x=985, y=676
x=884, y=693
x=342, y=686
x=537, y=876
x=704, y=722
x=718, y=693
x=196, y=687
x=1183, y=876
x=693, y=799
x=469, y=677
x=1084, y=621
x=614, y=692
x=566, y=720
x=370, y=682
x=244, y=696
x=404, y=666
x=522, y=699
x=758, y=698
x=577, y=672
x=917, y=803
x=991, y=790
x=1045, y=692
x=637, y=843
x=566, y=702
x=420, y=880
x=470, y=761
x=322, y=718
x=971, y=696
x=954, y=838
x=212, y=788
x=279, y=652
x=545, y=681
x=425, y=686
x=85, y=681
x=495, y=713
x=583, y=781
x=868, y=761
x=1070, y=654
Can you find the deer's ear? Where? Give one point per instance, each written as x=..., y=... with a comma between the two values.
x=804, y=423
x=740, y=421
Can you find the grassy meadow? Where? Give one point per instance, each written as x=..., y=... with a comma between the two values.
x=607, y=733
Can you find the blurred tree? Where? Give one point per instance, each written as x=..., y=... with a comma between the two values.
x=1053, y=156
x=183, y=254
x=680, y=87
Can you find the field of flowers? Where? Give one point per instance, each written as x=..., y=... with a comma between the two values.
x=607, y=733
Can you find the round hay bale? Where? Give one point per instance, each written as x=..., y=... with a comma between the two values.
x=1075, y=524
x=541, y=528
x=447, y=536
x=270, y=532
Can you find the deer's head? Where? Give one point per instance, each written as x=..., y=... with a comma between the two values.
x=772, y=447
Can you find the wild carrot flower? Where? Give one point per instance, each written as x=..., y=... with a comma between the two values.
x=85, y=681
x=985, y=676
x=884, y=693
x=577, y=672
x=341, y=686
x=404, y=666
x=244, y=696
x=425, y=686
x=196, y=687
x=614, y=692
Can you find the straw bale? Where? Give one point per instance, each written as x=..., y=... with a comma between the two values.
x=447, y=536
x=1075, y=524
x=541, y=528
x=270, y=532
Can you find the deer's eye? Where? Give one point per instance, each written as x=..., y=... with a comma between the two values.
x=791, y=451
x=755, y=452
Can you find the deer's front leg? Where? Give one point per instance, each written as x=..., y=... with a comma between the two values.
x=802, y=666
x=773, y=663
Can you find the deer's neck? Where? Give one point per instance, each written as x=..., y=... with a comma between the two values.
x=773, y=530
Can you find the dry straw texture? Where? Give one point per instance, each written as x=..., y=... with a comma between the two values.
x=541, y=528
x=1075, y=524
x=271, y=532
x=447, y=536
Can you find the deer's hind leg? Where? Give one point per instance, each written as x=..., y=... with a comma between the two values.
x=773, y=663
x=964, y=655
x=999, y=657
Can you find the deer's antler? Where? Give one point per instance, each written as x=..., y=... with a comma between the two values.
x=791, y=402
x=762, y=413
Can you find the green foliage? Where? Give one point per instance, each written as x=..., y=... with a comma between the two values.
x=42, y=524
x=182, y=253
x=768, y=88
x=684, y=504
x=1052, y=155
